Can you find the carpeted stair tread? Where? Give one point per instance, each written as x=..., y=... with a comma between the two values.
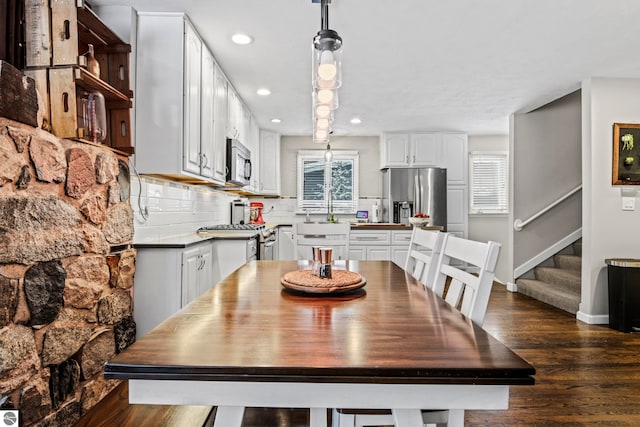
x=569, y=262
x=560, y=278
x=550, y=294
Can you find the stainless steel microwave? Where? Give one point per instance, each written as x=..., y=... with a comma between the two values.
x=238, y=163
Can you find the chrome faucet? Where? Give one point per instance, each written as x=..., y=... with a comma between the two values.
x=329, y=207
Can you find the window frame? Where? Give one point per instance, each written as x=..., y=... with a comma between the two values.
x=499, y=208
x=338, y=207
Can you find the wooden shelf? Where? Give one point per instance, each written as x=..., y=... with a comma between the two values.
x=58, y=35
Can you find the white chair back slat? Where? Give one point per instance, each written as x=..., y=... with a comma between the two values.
x=335, y=236
x=467, y=292
x=423, y=254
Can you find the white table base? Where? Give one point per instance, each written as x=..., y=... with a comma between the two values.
x=232, y=396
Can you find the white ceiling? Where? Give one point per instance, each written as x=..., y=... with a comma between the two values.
x=450, y=65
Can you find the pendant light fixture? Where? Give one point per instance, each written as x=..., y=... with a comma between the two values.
x=326, y=78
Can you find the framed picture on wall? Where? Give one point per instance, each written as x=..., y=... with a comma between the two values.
x=626, y=154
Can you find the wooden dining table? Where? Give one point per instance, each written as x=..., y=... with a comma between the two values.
x=250, y=342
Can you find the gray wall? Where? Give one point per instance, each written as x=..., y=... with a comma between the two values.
x=370, y=177
x=608, y=231
x=546, y=164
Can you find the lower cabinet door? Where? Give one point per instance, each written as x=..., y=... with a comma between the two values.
x=399, y=255
x=378, y=253
x=358, y=253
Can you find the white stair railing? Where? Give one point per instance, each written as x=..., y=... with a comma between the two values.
x=518, y=224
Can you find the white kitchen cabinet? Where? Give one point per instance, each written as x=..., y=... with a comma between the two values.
x=175, y=129
x=424, y=149
x=409, y=149
x=457, y=211
x=192, y=99
x=178, y=101
x=238, y=116
x=253, y=143
x=380, y=245
x=286, y=250
x=197, y=271
x=400, y=240
x=231, y=254
x=219, y=172
x=269, y=163
x=207, y=117
x=167, y=279
x=454, y=156
x=369, y=245
x=394, y=150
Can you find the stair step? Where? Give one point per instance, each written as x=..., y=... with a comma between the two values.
x=569, y=262
x=561, y=278
x=550, y=294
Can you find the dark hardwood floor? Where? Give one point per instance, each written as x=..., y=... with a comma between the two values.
x=586, y=374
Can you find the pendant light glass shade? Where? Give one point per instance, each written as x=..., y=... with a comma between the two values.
x=326, y=62
x=328, y=154
x=328, y=97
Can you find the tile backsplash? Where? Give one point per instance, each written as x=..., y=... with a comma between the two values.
x=165, y=208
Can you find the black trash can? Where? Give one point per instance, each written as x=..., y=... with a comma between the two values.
x=624, y=294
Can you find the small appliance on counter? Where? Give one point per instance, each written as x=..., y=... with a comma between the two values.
x=375, y=212
x=362, y=217
x=256, y=212
x=402, y=211
x=239, y=212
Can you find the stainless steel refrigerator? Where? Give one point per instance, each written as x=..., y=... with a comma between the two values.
x=408, y=191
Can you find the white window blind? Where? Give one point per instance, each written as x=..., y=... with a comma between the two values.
x=489, y=191
x=328, y=186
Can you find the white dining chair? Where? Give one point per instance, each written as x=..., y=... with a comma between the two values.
x=467, y=292
x=423, y=254
x=307, y=235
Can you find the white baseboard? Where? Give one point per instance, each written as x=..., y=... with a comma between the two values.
x=512, y=287
x=600, y=319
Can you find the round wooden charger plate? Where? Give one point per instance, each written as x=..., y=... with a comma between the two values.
x=316, y=285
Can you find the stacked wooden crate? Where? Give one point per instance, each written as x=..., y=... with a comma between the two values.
x=58, y=33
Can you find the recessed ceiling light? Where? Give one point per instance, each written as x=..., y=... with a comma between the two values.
x=263, y=92
x=276, y=120
x=242, y=39
x=356, y=121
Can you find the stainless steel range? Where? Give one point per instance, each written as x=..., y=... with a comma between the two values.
x=227, y=227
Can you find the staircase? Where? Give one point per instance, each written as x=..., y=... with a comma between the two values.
x=558, y=285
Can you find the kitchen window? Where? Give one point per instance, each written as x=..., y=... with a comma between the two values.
x=328, y=186
x=489, y=191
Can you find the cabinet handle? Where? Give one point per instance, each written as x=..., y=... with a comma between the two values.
x=206, y=160
x=414, y=158
x=407, y=159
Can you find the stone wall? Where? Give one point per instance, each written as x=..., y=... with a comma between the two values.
x=66, y=273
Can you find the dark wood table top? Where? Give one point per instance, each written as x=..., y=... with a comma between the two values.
x=249, y=328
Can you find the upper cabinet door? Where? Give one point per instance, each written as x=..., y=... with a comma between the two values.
x=207, y=135
x=395, y=150
x=454, y=157
x=424, y=147
x=220, y=127
x=192, y=64
x=269, y=163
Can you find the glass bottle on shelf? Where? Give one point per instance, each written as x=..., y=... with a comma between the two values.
x=93, y=66
x=92, y=116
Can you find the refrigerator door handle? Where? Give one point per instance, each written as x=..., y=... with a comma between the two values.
x=417, y=193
